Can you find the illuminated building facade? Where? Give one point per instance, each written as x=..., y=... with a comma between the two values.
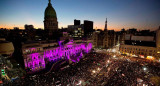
x=142, y=51
x=35, y=58
x=76, y=30
x=79, y=30
x=142, y=46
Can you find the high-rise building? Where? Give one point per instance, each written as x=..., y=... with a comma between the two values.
x=79, y=30
x=50, y=19
x=76, y=31
x=88, y=27
x=77, y=22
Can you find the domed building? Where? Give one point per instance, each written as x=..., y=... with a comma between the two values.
x=50, y=19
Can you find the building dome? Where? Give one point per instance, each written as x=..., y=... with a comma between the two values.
x=50, y=12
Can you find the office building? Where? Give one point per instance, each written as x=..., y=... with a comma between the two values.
x=88, y=28
x=77, y=22
x=142, y=46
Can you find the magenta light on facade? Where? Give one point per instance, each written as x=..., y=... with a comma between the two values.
x=36, y=60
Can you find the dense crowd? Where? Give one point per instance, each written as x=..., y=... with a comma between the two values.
x=96, y=69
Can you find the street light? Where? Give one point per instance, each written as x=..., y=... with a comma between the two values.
x=144, y=68
x=113, y=50
x=98, y=69
x=94, y=71
x=80, y=82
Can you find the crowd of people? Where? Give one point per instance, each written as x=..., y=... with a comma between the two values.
x=96, y=69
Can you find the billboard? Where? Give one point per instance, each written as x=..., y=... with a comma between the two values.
x=142, y=38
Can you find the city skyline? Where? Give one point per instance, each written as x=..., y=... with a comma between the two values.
x=79, y=42
x=125, y=14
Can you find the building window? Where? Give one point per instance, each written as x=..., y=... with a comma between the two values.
x=31, y=65
x=142, y=50
x=40, y=63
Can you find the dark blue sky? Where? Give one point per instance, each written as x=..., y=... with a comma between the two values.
x=141, y=14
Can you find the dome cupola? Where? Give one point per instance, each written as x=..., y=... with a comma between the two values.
x=50, y=11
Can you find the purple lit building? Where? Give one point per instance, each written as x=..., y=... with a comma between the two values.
x=37, y=54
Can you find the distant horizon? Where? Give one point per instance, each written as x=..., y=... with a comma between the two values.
x=93, y=28
x=139, y=14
